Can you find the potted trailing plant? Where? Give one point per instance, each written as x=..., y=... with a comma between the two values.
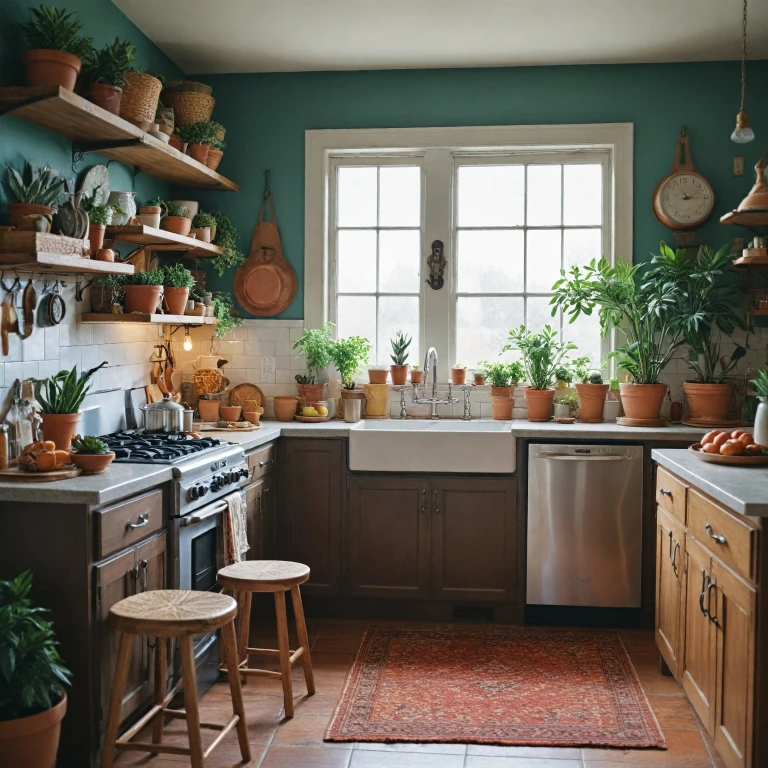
x=105, y=69
x=143, y=290
x=349, y=355
x=226, y=237
x=224, y=312
x=591, y=392
x=91, y=454
x=177, y=282
x=316, y=345
x=708, y=307
x=55, y=48
x=760, y=387
x=641, y=309
x=61, y=396
x=417, y=375
x=203, y=224
x=542, y=354
x=176, y=218
x=32, y=679
x=399, y=367
x=503, y=377
x=198, y=137
x=33, y=193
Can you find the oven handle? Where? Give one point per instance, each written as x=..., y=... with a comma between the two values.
x=584, y=457
x=195, y=517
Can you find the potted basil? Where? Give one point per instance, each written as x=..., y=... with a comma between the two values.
x=177, y=282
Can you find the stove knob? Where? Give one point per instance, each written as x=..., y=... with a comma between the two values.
x=202, y=489
x=194, y=493
x=242, y=472
x=216, y=482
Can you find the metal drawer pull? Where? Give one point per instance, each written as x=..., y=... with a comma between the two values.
x=264, y=463
x=718, y=538
x=674, y=558
x=712, y=618
x=143, y=520
x=144, y=571
x=704, y=578
x=665, y=492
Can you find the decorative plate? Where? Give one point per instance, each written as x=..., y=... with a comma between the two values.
x=735, y=461
x=96, y=184
x=243, y=392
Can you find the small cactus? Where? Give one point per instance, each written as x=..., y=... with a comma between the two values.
x=89, y=444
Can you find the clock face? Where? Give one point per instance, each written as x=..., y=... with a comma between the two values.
x=685, y=200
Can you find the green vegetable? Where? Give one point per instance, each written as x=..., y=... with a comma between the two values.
x=109, y=64
x=316, y=345
x=65, y=391
x=227, y=239
x=32, y=675
x=400, y=345
x=90, y=445
x=349, y=355
x=503, y=374
x=542, y=354
x=150, y=277
x=203, y=220
x=175, y=208
x=39, y=186
x=55, y=29
x=177, y=276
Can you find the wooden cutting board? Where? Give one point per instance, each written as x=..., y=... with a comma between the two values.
x=15, y=475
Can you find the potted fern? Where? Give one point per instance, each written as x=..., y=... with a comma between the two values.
x=32, y=680
x=106, y=70
x=315, y=344
x=399, y=367
x=177, y=282
x=32, y=193
x=143, y=290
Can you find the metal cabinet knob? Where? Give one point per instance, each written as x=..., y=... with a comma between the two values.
x=665, y=492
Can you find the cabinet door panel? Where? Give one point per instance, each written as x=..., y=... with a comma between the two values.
x=670, y=563
x=474, y=527
x=260, y=511
x=388, y=537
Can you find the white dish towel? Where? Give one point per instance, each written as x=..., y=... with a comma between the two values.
x=235, y=528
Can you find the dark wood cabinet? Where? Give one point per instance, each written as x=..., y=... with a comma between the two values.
x=261, y=511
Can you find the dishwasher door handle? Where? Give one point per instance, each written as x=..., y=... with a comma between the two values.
x=573, y=457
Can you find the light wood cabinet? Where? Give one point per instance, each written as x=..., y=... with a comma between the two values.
x=260, y=510
x=670, y=570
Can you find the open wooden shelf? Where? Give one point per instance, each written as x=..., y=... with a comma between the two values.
x=137, y=317
x=161, y=240
x=93, y=129
x=759, y=263
x=746, y=218
x=60, y=262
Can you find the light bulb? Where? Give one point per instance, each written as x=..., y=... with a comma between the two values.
x=187, y=340
x=743, y=133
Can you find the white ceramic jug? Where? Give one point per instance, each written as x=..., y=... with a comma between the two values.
x=761, y=422
x=126, y=202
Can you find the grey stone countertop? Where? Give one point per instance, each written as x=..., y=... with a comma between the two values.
x=742, y=489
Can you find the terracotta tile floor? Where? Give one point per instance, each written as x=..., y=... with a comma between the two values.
x=298, y=743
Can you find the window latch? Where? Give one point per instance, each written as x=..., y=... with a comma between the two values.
x=436, y=263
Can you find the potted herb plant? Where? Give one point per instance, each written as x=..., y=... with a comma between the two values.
x=542, y=354
x=61, y=396
x=55, y=48
x=316, y=345
x=105, y=69
x=33, y=193
x=503, y=377
x=349, y=355
x=91, y=454
x=32, y=679
x=399, y=367
x=177, y=281
x=99, y=218
x=565, y=403
x=203, y=224
x=176, y=219
x=644, y=310
x=198, y=137
x=106, y=291
x=143, y=290
x=417, y=375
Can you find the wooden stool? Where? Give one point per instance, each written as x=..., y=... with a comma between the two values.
x=164, y=614
x=276, y=576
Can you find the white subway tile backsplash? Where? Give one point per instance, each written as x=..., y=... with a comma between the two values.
x=33, y=347
x=260, y=348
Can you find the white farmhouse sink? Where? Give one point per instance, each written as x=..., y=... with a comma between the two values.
x=421, y=445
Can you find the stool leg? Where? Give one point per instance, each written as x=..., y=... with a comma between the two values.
x=190, y=701
x=301, y=630
x=285, y=652
x=116, y=698
x=244, y=598
x=161, y=645
x=238, y=707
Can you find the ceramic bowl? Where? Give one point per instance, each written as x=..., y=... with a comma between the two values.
x=93, y=463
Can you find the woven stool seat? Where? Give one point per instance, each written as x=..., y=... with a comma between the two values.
x=263, y=575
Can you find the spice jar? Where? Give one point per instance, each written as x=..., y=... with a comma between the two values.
x=4, y=446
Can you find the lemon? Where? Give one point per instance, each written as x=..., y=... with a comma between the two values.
x=322, y=410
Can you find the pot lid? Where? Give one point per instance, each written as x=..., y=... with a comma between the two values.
x=166, y=404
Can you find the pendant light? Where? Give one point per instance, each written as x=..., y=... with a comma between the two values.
x=187, y=345
x=743, y=134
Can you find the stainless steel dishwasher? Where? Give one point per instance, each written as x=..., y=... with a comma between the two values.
x=585, y=509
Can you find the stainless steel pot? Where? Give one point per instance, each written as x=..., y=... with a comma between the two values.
x=164, y=416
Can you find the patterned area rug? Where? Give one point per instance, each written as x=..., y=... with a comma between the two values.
x=486, y=685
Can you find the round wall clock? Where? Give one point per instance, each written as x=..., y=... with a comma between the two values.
x=683, y=199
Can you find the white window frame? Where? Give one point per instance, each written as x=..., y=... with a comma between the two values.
x=432, y=144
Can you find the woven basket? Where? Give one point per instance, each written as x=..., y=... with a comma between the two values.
x=141, y=94
x=189, y=86
x=189, y=107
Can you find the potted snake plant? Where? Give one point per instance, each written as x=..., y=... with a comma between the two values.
x=399, y=368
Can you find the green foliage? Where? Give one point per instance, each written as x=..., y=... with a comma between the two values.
x=175, y=208
x=349, y=355
x=216, y=144
x=55, y=29
x=594, y=378
x=40, y=186
x=400, y=345
x=109, y=64
x=643, y=310
x=542, y=354
x=65, y=391
x=90, y=445
x=569, y=398
x=32, y=676
x=760, y=383
x=503, y=374
x=110, y=281
x=226, y=238
x=223, y=308
x=203, y=220
x=100, y=213
x=177, y=276
x=564, y=375
x=202, y=132
x=316, y=345
x=150, y=277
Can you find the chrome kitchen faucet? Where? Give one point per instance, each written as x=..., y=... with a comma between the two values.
x=430, y=365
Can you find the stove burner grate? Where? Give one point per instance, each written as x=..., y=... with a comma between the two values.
x=156, y=447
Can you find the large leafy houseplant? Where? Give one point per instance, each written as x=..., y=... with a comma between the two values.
x=349, y=355
x=316, y=345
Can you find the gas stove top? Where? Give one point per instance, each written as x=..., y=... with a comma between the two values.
x=141, y=447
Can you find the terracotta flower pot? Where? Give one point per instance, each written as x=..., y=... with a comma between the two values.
x=94, y=463
x=214, y=158
x=378, y=375
x=231, y=412
x=175, y=300
x=310, y=393
x=591, y=401
x=203, y=234
x=539, y=402
x=177, y=143
x=199, y=152
x=642, y=401
x=399, y=374
x=142, y=298
x=459, y=376
x=208, y=409
x=96, y=236
x=33, y=741
x=502, y=391
x=18, y=214
x=106, y=96
x=60, y=428
x=179, y=225
x=708, y=401
x=285, y=407
x=502, y=407
x=417, y=377
x=50, y=69
x=479, y=379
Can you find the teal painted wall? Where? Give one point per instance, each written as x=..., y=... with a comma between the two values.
x=266, y=116
x=20, y=141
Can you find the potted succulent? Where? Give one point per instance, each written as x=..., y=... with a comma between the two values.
x=91, y=454
x=99, y=218
x=707, y=307
x=542, y=354
x=176, y=219
x=32, y=679
x=591, y=392
x=105, y=70
x=61, y=396
x=349, y=355
x=198, y=137
x=55, y=48
x=203, y=227
x=315, y=344
x=459, y=374
x=417, y=375
x=177, y=281
x=503, y=377
x=399, y=356
x=143, y=291
x=33, y=193
x=644, y=310
x=378, y=374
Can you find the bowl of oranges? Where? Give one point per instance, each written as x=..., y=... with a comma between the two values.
x=737, y=447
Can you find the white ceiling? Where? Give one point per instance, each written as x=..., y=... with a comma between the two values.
x=219, y=36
